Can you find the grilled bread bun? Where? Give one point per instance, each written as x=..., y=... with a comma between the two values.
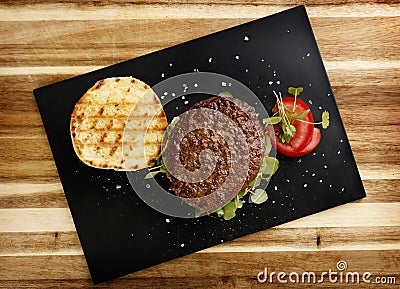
x=119, y=124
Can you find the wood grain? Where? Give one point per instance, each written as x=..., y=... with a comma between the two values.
x=43, y=42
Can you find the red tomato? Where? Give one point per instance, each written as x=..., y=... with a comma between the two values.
x=316, y=137
x=304, y=131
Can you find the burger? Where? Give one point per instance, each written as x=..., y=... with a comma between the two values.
x=237, y=159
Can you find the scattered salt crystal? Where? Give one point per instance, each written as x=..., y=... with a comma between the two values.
x=246, y=38
x=210, y=59
x=223, y=83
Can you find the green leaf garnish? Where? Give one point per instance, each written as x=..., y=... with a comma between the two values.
x=286, y=117
x=242, y=193
x=295, y=91
x=259, y=196
x=270, y=166
x=272, y=120
x=302, y=114
x=151, y=175
x=225, y=94
x=229, y=215
x=268, y=145
x=171, y=126
x=229, y=210
x=238, y=202
x=220, y=212
x=198, y=213
x=325, y=119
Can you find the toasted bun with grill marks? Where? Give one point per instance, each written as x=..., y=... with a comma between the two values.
x=119, y=124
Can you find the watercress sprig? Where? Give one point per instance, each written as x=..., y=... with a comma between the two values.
x=286, y=117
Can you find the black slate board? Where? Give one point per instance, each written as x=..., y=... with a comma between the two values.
x=119, y=233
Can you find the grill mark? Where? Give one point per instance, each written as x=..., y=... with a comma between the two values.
x=123, y=117
x=108, y=144
x=112, y=151
x=119, y=136
x=99, y=84
x=103, y=136
x=93, y=125
x=155, y=99
x=101, y=110
x=151, y=104
x=106, y=129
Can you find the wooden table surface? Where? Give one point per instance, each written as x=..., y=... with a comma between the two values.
x=42, y=43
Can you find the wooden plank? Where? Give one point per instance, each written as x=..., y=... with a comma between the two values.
x=160, y=11
x=270, y=240
x=356, y=214
x=244, y=265
x=28, y=194
x=123, y=3
x=176, y=283
x=76, y=43
x=36, y=220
